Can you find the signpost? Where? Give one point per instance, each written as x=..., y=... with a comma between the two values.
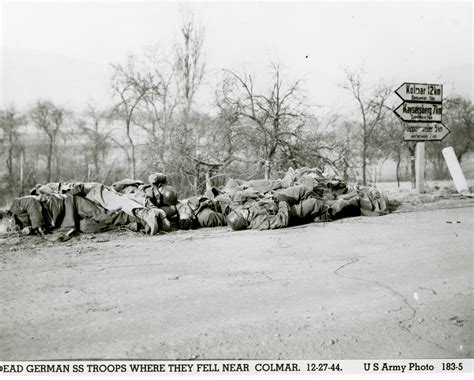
x=419, y=111
x=422, y=113
x=420, y=92
x=425, y=131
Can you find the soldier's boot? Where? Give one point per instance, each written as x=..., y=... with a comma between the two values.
x=149, y=217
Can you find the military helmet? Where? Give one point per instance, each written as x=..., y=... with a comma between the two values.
x=169, y=196
x=157, y=179
x=237, y=221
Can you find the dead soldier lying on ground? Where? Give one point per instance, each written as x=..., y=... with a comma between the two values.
x=135, y=200
x=65, y=213
x=302, y=196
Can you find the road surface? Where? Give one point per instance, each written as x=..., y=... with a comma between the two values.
x=397, y=286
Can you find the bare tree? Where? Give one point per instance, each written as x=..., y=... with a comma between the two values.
x=190, y=62
x=129, y=88
x=156, y=94
x=273, y=118
x=388, y=143
x=346, y=149
x=372, y=109
x=95, y=128
x=156, y=112
x=458, y=115
x=48, y=118
x=317, y=146
x=10, y=123
x=190, y=68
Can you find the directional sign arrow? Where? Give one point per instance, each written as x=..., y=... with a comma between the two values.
x=425, y=132
x=426, y=112
x=420, y=92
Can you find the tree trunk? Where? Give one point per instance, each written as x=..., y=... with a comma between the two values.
x=21, y=173
x=132, y=155
x=411, y=149
x=95, y=173
x=50, y=158
x=208, y=179
x=58, y=167
x=364, y=162
x=196, y=180
x=10, y=171
x=397, y=171
x=10, y=161
x=267, y=169
x=133, y=161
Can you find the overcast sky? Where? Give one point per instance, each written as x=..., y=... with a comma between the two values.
x=63, y=51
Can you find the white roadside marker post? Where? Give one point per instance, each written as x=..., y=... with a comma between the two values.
x=455, y=169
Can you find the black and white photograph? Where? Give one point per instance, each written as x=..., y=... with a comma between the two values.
x=263, y=182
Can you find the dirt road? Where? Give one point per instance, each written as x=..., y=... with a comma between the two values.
x=398, y=286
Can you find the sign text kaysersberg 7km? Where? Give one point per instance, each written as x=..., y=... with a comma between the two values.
x=422, y=111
